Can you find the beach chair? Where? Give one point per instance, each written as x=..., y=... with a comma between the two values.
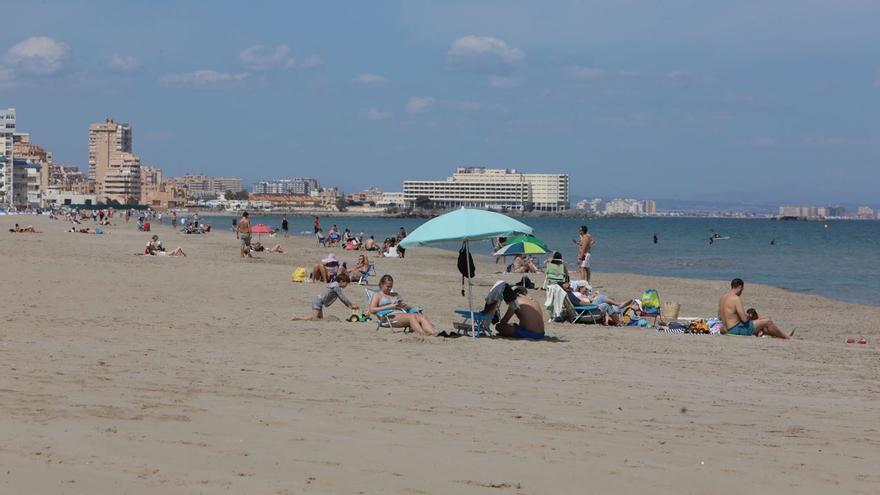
x=554, y=273
x=482, y=322
x=321, y=239
x=589, y=312
x=384, y=319
x=365, y=276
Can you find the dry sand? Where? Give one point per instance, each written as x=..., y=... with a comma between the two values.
x=133, y=374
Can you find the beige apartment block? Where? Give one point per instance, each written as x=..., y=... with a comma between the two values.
x=105, y=139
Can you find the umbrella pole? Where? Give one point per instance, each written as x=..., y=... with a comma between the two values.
x=467, y=262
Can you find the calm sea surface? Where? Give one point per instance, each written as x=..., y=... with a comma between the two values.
x=841, y=261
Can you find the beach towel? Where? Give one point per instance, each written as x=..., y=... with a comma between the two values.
x=554, y=300
x=651, y=300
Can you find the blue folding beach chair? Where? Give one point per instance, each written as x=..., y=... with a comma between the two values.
x=588, y=312
x=365, y=276
x=482, y=322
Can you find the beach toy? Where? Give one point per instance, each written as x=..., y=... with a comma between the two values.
x=643, y=322
x=358, y=317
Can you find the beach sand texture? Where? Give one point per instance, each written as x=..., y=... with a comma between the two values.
x=134, y=374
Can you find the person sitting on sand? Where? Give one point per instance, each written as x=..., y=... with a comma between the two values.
x=735, y=320
x=330, y=293
x=530, y=316
x=390, y=250
x=326, y=270
x=155, y=248
x=370, y=244
x=523, y=265
x=501, y=292
x=24, y=230
x=361, y=268
x=386, y=299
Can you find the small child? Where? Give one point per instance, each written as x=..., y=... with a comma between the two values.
x=330, y=293
x=752, y=314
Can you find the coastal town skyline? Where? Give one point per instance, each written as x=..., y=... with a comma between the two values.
x=390, y=86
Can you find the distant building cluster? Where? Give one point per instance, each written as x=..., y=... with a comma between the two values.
x=494, y=189
x=618, y=206
x=812, y=212
x=115, y=174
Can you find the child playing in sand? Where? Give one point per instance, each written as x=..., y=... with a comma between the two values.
x=330, y=293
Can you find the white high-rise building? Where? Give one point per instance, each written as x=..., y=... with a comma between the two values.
x=495, y=189
x=7, y=175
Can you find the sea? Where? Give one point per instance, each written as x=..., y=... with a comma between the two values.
x=837, y=259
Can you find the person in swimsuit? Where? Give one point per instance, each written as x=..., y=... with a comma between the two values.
x=285, y=225
x=386, y=299
x=243, y=232
x=736, y=321
x=530, y=316
x=329, y=294
x=585, y=246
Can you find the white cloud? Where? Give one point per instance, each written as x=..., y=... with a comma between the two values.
x=370, y=79
x=258, y=57
x=39, y=55
x=376, y=114
x=203, y=79
x=582, y=73
x=121, y=63
x=419, y=104
x=483, y=53
x=502, y=82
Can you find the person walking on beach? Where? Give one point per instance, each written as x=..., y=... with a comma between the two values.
x=243, y=232
x=285, y=226
x=585, y=246
x=736, y=321
x=317, y=224
x=173, y=219
x=401, y=235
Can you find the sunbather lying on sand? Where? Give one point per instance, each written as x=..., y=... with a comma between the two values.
x=330, y=293
x=29, y=229
x=386, y=299
x=259, y=247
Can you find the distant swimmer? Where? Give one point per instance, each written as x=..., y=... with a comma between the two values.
x=772, y=242
x=655, y=238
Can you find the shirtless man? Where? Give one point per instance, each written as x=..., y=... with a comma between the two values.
x=529, y=314
x=737, y=322
x=243, y=232
x=585, y=245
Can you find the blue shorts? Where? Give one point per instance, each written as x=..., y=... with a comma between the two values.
x=522, y=333
x=742, y=329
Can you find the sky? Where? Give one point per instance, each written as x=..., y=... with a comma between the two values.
x=751, y=101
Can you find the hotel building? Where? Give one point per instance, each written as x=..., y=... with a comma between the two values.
x=494, y=189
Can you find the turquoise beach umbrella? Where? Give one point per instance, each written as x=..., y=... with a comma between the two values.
x=465, y=225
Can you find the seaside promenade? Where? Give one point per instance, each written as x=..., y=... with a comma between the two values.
x=135, y=374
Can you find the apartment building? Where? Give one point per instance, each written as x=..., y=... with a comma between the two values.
x=295, y=186
x=7, y=177
x=201, y=186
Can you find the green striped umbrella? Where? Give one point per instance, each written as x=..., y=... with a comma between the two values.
x=525, y=245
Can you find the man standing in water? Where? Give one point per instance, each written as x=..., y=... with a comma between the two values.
x=243, y=232
x=585, y=246
x=285, y=226
x=737, y=322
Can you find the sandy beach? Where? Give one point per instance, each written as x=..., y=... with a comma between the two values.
x=134, y=374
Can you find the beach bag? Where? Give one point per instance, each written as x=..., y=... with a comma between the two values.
x=670, y=310
x=651, y=300
x=299, y=275
x=465, y=266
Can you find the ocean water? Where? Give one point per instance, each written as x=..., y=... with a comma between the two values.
x=837, y=259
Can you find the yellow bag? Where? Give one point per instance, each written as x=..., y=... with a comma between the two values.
x=299, y=275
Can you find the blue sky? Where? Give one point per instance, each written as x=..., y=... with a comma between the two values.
x=758, y=101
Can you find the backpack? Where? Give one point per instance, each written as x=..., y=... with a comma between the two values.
x=465, y=265
x=299, y=275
